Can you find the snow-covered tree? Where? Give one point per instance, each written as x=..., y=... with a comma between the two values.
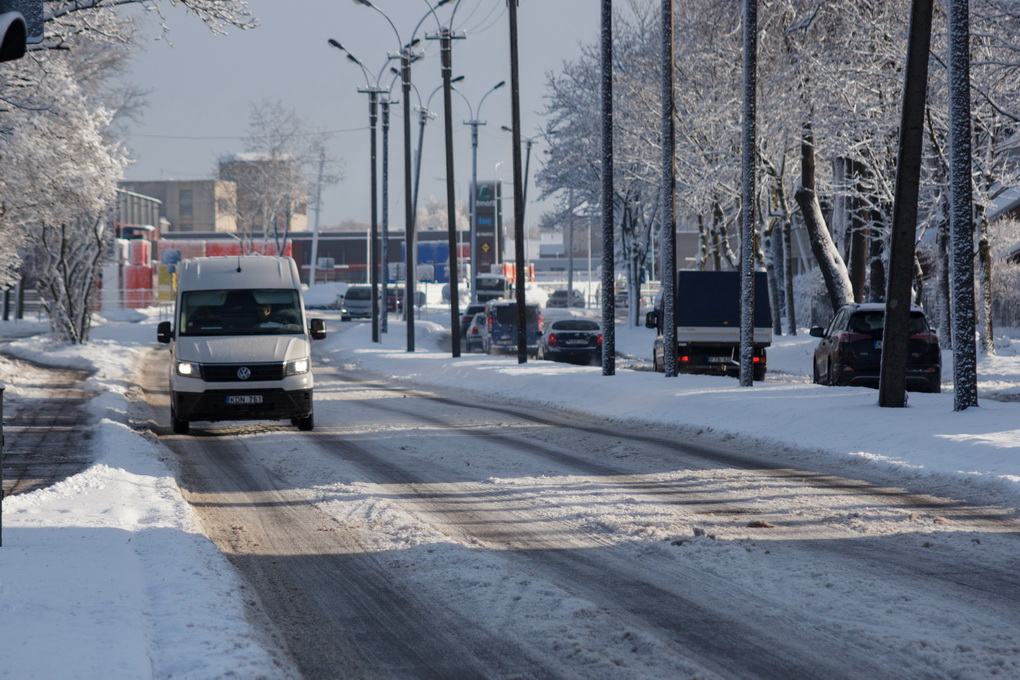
x=276, y=172
x=60, y=163
x=60, y=173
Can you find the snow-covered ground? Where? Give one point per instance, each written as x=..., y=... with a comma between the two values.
x=106, y=574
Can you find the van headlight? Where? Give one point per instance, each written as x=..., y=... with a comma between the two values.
x=189, y=369
x=297, y=366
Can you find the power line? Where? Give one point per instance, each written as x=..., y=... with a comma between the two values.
x=241, y=137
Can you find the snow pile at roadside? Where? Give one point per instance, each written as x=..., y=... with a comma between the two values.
x=106, y=574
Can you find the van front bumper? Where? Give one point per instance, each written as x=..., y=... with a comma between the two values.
x=237, y=404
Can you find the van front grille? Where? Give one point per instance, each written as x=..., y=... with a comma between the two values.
x=231, y=372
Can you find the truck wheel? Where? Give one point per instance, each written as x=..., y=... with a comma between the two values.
x=304, y=424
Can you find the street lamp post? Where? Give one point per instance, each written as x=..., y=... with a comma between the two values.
x=373, y=91
x=528, y=141
x=474, y=122
x=407, y=56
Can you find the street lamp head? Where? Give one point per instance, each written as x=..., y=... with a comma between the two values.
x=458, y=79
x=354, y=60
x=506, y=128
x=366, y=3
x=499, y=85
x=335, y=44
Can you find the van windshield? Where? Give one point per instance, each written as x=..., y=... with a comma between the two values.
x=358, y=293
x=240, y=312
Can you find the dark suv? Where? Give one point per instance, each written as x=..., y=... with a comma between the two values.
x=850, y=352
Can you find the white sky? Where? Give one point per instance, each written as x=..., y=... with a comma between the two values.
x=202, y=89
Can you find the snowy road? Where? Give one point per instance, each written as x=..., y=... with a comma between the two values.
x=419, y=534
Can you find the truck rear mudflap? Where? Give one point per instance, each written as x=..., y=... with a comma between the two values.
x=257, y=404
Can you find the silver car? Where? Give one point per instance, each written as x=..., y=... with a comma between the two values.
x=357, y=303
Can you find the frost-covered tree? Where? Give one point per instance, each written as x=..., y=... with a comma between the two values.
x=573, y=165
x=276, y=172
x=60, y=163
x=60, y=173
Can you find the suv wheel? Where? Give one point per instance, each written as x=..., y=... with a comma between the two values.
x=179, y=426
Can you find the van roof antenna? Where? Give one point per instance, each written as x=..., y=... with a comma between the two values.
x=239, y=249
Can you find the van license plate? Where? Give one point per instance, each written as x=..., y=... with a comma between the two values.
x=245, y=399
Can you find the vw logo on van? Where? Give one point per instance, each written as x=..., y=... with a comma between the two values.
x=244, y=373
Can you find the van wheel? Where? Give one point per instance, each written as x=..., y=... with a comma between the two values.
x=179, y=426
x=304, y=424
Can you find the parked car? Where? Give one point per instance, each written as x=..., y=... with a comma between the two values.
x=501, y=323
x=467, y=316
x=565, y=298
x=850, y=351
x=576, y=341
x=395, y=299
x=357, y=303
x=474, y=340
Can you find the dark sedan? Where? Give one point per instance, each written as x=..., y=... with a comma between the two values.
x=576, y=341
x=850, y=351
x=565, y=298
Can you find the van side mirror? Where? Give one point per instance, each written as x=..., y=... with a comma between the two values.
x=164, y=331
x=652, y=319
x=317, y=329
x=817, y=332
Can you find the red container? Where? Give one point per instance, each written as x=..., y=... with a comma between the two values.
x=139, y=251
x=138, y=277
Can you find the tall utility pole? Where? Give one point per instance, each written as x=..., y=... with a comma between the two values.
x=892, y=386
x=747, y=194
x=384, y=260
x=315, y=225
x=445, y=41
x=608, y=254
x=373, y=255
x=515, y=98
x=961, y=209
x=410, y=245
x=668, y=189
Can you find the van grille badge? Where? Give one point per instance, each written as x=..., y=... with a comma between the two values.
x=244, y=373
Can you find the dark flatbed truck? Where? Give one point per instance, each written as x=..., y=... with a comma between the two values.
x=707, y=314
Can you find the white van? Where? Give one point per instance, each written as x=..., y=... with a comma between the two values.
x=240, y=343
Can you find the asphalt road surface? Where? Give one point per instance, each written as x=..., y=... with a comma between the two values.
x=417, y=534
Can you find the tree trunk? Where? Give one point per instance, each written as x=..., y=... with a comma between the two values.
x=834, y=273
x=876, y=278
x=944, y=293
x=985, y=268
